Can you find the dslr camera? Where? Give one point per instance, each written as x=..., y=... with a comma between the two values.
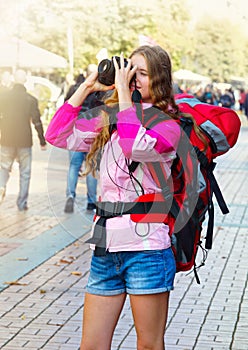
x=106, y=70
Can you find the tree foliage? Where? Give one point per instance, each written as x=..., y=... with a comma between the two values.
x=220, y=51
x=214, y=47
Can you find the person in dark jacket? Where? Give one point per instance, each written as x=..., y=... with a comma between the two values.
x=246, y=104
x=226, y=99
x=18, y=109
x=76, y=160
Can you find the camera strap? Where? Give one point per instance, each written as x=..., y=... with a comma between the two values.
x=137, y=100
x=136, y=96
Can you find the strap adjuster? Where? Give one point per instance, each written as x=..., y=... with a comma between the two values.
x=118, y=208
x=110, y=209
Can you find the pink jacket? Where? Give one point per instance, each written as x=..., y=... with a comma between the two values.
x=130, y=141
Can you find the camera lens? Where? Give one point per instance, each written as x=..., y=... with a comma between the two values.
x=106, y=72
x=104, y=66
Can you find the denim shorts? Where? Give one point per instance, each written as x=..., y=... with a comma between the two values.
x=139, y=272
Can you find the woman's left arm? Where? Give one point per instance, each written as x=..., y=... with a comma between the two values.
x=143, y=145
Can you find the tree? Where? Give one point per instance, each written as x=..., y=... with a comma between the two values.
x=219, y=53
x=215, y=48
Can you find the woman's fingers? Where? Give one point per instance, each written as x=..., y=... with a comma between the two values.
x=115, y=63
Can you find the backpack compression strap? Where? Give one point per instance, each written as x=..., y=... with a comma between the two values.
x=221, y=202
x=218, y=195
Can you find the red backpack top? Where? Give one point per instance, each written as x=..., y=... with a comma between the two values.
x=221, y=125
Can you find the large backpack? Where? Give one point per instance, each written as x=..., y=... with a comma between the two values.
x=190, y=189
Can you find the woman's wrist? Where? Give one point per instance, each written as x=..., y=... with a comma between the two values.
x=80, y=95
x=124, y=97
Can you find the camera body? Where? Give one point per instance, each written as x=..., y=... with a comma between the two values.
x=106, y=70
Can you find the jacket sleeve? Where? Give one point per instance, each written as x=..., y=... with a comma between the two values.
x=67, y=131
x=143, y=145
x=36, y=120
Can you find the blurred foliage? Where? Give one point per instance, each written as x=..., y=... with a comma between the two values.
x=216, y=48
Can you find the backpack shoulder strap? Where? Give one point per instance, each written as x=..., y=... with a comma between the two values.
x=152, y=120
x=157, y=170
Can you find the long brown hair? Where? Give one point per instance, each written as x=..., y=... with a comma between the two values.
x=161, y=92
x=160, y=78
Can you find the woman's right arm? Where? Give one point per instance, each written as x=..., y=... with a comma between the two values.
x=65, y=129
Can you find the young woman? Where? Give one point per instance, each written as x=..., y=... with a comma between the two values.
x=128, y=257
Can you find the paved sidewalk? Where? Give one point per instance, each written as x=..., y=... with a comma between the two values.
x=44, y=266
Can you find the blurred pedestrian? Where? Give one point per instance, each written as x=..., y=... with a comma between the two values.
x=208, y=95
x=6, y=81
x=246, y=104
x=199, y=94
x=18, y=109
x=76, y=160
x=226, y=99
x=232, y=95
x=242, y=96
x=72, y=88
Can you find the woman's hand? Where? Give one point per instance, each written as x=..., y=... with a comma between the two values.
x=123, y=76
x=90, y=85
